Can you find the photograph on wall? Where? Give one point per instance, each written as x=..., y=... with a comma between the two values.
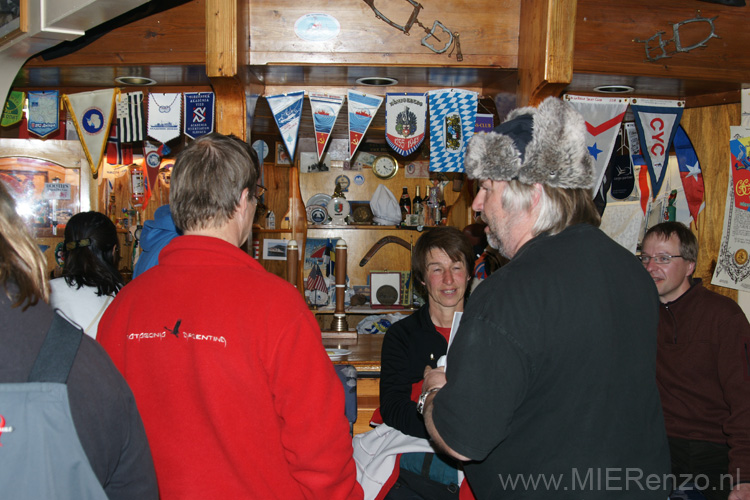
x=282, y=156
x=309, y=163
x=274, y=249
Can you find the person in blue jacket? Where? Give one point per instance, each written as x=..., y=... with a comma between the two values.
x=155, y=235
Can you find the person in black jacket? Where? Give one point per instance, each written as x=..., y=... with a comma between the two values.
x=442, y=264
x=105, y=420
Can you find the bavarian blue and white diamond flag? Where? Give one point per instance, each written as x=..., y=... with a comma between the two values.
x=656, y=121
x=405, y=121
x=199, y=114
x=452, y=120
x=603, y=116
x=92, y=114
x=325, y=110
x=362, y=109
x=287, y=111
x=44, y=112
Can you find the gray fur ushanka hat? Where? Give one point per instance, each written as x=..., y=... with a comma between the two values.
x=545, y=145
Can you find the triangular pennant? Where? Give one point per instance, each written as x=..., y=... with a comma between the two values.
x=656, y=121
x=164, y=113
x=325, y=110
x=603, y=116
x=199, y=114
x=131, y=122
x=13, y=111
x=690, y=172
x=287, y=111
x=362, y=109
x=92, y=114
x=405, y=121
x=452, y=122
x=637, y=163
x=44, y=112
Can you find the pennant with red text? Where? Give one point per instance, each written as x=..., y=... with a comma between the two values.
x=656, y=121
x=405, y=121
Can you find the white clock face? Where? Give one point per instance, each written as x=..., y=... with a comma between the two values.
x=384, y=167
x=261, y=148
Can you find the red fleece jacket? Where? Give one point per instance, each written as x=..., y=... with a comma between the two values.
x=237, y=394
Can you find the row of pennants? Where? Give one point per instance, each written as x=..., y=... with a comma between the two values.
x=452, y=121
x=94, y=114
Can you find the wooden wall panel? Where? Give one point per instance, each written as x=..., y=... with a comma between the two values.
x=175, y=36
x=708, y=129
x=606, y=31
x=489, y=39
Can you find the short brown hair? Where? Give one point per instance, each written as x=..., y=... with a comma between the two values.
x=688, y=241
x=446, y=238
x=208, y=178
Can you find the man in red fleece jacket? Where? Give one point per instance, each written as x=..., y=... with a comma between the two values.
x=237, y=394
x=702, y=369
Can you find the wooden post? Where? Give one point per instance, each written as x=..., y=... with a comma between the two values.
x=339, y=323
x=224, y=23
x=292, y=256
x=545, y=49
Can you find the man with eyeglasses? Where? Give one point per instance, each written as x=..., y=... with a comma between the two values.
x=238, y=396
x=702, y=369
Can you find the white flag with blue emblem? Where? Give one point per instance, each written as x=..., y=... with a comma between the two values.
x=453, y=115
x=287, y=111
x=92, y=114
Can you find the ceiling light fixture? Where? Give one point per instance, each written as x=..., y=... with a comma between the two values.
x=377, y=81
x=138, y=81
x=613, y=89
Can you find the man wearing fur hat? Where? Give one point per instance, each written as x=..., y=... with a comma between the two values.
x=551, y=389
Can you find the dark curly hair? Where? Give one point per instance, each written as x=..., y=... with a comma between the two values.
x=89, y=253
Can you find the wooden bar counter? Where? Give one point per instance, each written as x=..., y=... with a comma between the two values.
x=365, y=357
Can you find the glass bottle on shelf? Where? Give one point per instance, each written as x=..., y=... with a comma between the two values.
x=405, y=203
x=417, y=208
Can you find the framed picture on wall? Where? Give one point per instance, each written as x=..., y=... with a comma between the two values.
x=282, y=156
x=274, y=249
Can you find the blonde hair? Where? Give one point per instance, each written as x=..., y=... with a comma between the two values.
x=22, y=265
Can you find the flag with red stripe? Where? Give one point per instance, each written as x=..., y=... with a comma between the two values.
x=603, y=116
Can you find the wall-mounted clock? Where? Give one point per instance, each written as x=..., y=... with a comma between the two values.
x=261, y=148
x=384, y=166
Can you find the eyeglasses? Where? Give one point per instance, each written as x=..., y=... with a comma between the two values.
x=259, y=191
x=661, y=260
